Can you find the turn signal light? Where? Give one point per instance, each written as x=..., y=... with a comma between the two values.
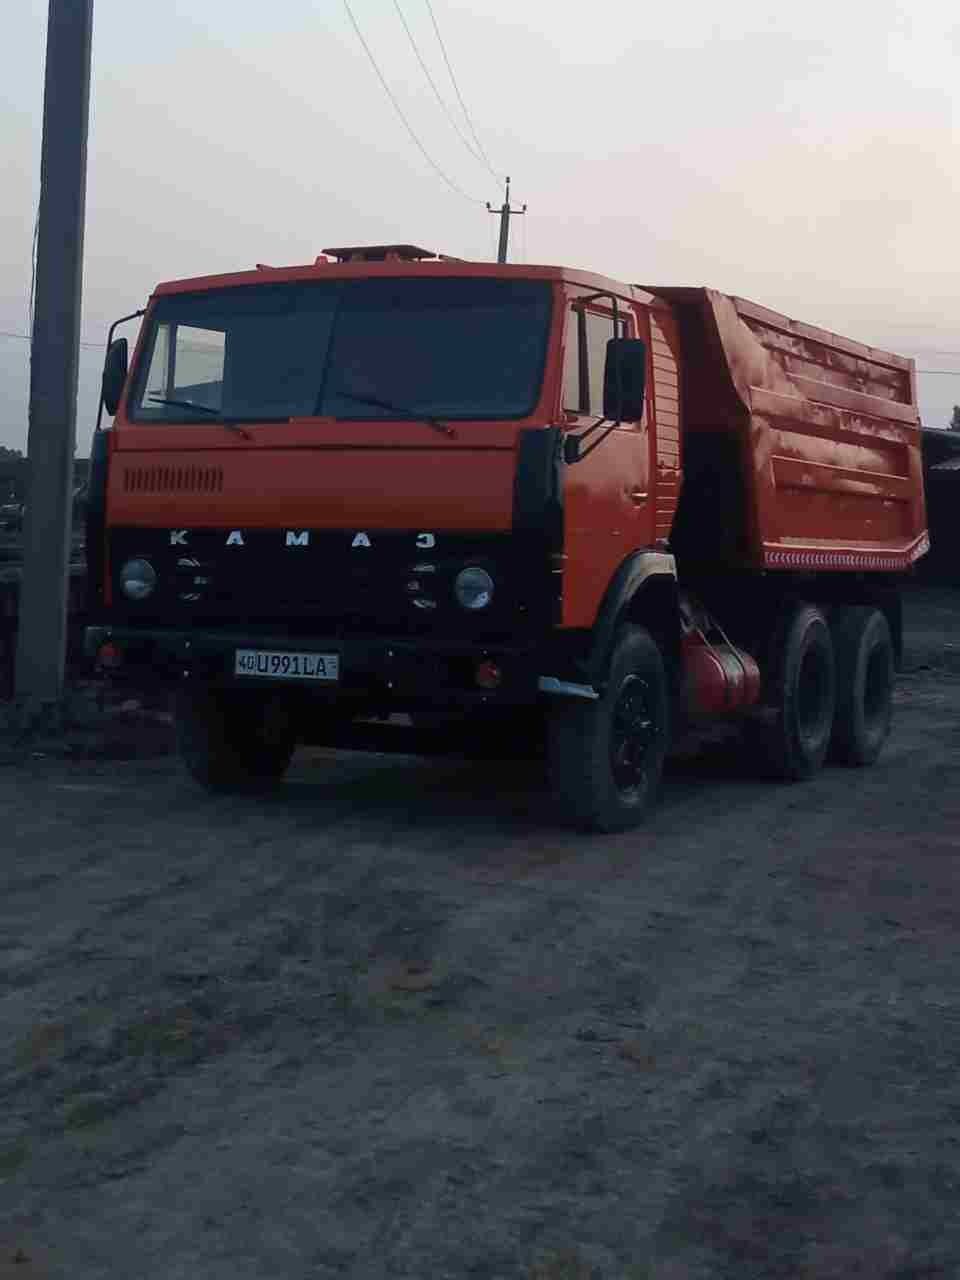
x=488, y=675
x=108, y=655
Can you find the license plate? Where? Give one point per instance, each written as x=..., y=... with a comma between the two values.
x=271, y=664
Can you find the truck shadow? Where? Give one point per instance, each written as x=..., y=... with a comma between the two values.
x=464, y=800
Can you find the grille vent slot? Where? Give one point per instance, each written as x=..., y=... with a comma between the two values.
x=173, y=480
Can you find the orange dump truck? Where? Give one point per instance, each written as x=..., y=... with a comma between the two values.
x=532, y=505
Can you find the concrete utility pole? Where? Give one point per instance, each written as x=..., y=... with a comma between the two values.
x=41, y=644
x=505, y=213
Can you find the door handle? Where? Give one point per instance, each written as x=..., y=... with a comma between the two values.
x=638, y=495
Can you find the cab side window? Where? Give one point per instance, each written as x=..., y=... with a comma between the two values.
x=585, y=353
x=599, y=333
x=574, y=386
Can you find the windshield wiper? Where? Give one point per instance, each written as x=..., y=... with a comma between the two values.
x=204, y=408
x=443, y=427
x=184, y=404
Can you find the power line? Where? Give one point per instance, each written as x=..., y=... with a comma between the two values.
x=98, y=346
x=33, y=265
x=36, y=233
x=471, y=147
x=456, y=87
x=25, y=337
x=399, y=110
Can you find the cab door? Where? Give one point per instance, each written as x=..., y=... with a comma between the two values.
x=608, y=503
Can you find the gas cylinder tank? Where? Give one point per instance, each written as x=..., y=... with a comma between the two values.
x=719, y=678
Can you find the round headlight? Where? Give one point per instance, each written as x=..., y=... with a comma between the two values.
x=473, y=588
x=138, y=579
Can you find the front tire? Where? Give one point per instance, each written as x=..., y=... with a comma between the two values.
x=865, y=667
x=606, y=757
x=232, y=740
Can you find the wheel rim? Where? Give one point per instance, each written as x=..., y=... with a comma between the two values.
x=632, y=735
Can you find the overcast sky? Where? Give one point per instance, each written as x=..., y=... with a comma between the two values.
x=807, y=157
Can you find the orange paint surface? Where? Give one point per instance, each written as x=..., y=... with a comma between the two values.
x=827, y=432
x=329, y=488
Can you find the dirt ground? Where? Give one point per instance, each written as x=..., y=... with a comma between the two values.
x=394, y=1023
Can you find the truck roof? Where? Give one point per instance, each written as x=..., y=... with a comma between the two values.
x=323, y=269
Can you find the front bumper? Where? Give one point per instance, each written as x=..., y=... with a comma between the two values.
x=389, y=671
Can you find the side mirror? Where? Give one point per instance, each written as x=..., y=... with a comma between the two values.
x=624, y=380
x=114, y=375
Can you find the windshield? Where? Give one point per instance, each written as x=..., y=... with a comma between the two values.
x=359, y=349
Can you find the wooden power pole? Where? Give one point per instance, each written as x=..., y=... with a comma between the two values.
x=54, y=353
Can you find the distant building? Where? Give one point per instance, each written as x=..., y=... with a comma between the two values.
x=15, y=493
x=941, y=477
x=14, y=478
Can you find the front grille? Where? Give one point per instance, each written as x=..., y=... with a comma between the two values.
x=173, y=479
x=331, y=580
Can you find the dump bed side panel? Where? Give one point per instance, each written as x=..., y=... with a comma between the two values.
x=805, y=444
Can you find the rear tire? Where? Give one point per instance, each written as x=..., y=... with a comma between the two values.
x=606, y=757
x=233, y=741
x=865, y=677
x=800, y=697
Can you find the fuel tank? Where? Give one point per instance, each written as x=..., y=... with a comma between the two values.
x=719, y=679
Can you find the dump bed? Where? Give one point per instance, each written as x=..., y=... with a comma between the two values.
x=801, y=450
